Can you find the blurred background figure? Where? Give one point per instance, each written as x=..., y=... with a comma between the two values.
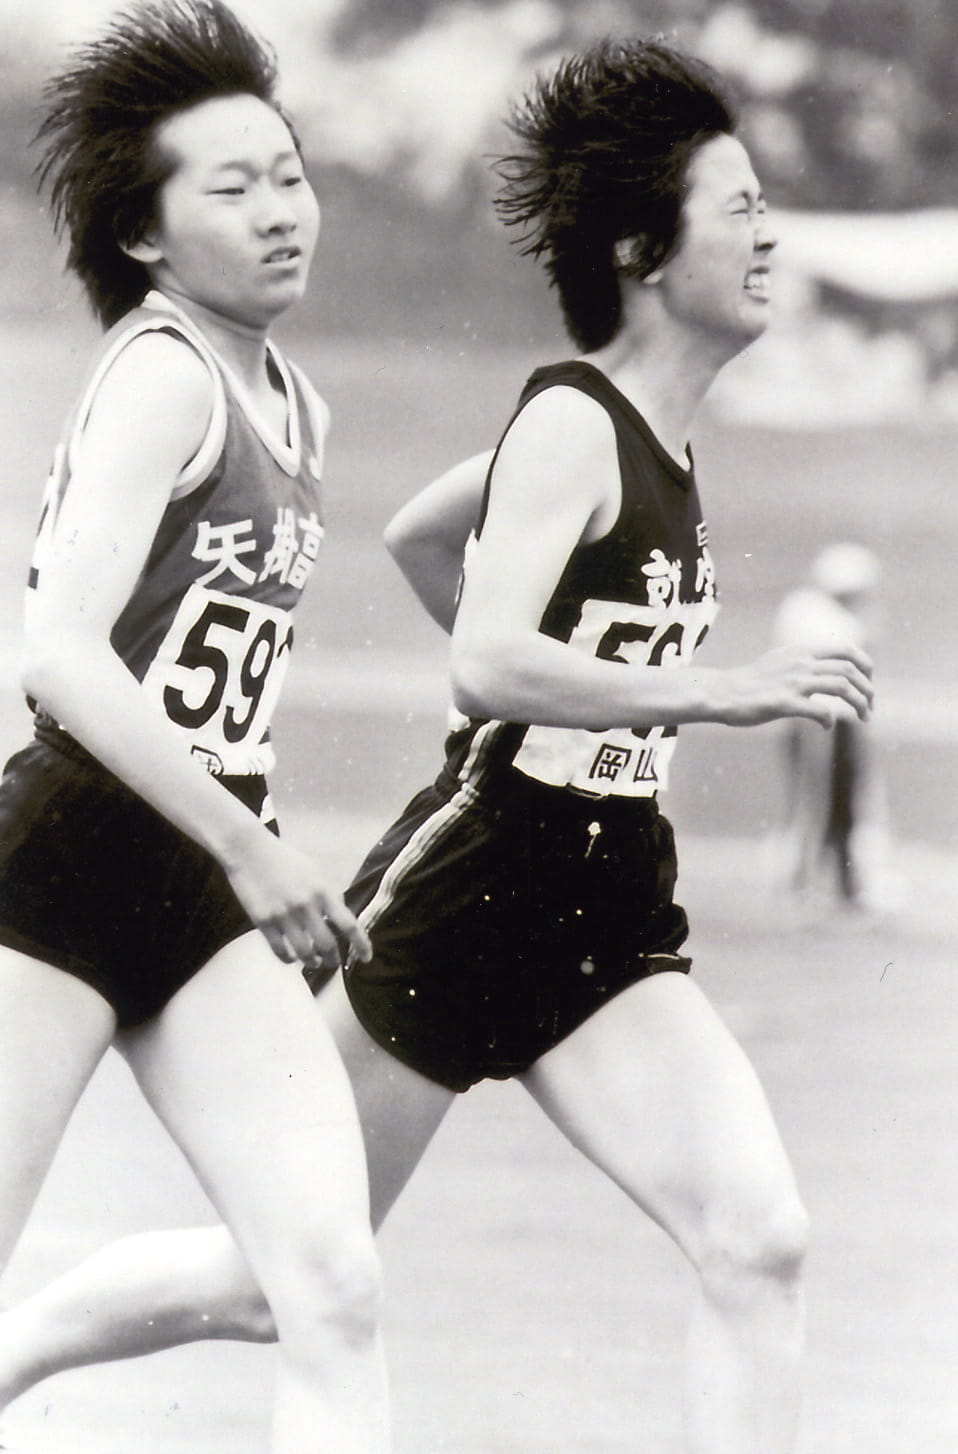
x=834, y=839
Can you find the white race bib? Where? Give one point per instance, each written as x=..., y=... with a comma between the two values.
x=627, y=763
x=218, y=674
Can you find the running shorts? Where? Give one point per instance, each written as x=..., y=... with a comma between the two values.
x=97, y=883
x=503, y=918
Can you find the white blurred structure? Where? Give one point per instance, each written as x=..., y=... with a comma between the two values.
x=820, y=366
x=909, y=257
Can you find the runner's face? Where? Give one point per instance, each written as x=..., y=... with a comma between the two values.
x=237, y=221
x=717, y=280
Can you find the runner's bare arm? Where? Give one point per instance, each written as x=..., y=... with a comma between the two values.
x=556, y=484
x=148, y=419
x=428, y=536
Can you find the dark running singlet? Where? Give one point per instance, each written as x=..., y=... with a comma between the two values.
x=643, y=594
x=208, y=628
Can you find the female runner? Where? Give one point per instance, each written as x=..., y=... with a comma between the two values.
x=145, y=899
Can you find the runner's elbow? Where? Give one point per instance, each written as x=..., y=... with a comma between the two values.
x=482, y=679
x=51, y=662
x=467, y=686
x=413, y=533
x=41, y=667
x=398, y=537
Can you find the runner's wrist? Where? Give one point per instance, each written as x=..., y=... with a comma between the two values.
x=691, y=694
x=235, y=838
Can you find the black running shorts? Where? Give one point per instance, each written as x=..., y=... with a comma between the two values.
x=97, y=883
x=503, y=919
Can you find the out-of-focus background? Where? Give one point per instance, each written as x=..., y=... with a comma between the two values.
x=529, y=1308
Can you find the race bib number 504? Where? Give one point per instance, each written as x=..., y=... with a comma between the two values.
x=218, y=675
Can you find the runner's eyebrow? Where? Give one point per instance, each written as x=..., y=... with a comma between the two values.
x=745, y=194
x=243, y=164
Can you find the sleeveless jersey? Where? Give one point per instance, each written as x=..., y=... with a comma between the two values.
x=643, y=594
x=208, y=628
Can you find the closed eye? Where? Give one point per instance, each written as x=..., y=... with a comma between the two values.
x=748, y=204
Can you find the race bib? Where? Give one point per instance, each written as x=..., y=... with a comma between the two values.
x=218, y=675
x=627, y=763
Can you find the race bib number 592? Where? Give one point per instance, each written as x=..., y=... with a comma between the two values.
x=219, y=672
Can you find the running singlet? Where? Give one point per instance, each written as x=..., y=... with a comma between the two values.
x=643, y=594
x=208, y=628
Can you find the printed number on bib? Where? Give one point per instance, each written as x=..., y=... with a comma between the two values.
x=613, y=760
x=640, y=643
x=655, y=643
x=219, y=671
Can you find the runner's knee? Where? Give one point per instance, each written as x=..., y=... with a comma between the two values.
x=251, y=1318
x=333, y=1294
x=758, y=1241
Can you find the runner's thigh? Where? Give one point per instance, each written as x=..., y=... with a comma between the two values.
x=246, y=1077
x=656, y=1091
x=399, y=1109
x=54, y=1030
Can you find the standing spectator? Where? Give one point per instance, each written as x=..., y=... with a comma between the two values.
x=834, y=837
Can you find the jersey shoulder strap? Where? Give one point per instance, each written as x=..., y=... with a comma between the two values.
x=152, y=318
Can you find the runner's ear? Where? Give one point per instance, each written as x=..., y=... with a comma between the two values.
x=145, y=251
x=631, y=254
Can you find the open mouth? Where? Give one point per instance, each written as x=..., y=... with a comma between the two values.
x=756, y=285
x=282, y=255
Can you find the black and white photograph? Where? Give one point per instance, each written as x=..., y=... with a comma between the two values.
x=479, y=727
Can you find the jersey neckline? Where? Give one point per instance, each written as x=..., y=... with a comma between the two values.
x=286, y=451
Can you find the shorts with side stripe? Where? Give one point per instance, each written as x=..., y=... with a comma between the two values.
x=503, y=918
x=97, y=883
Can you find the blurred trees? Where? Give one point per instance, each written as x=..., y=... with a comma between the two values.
x=846, y=106
x=868, y=120
x=846, y=103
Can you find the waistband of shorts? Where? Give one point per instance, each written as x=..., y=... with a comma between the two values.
x=511, y=785
x=250, y=788
x=48, y=731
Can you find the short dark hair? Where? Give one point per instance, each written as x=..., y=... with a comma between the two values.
x=607, y=141
x=100, y=158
